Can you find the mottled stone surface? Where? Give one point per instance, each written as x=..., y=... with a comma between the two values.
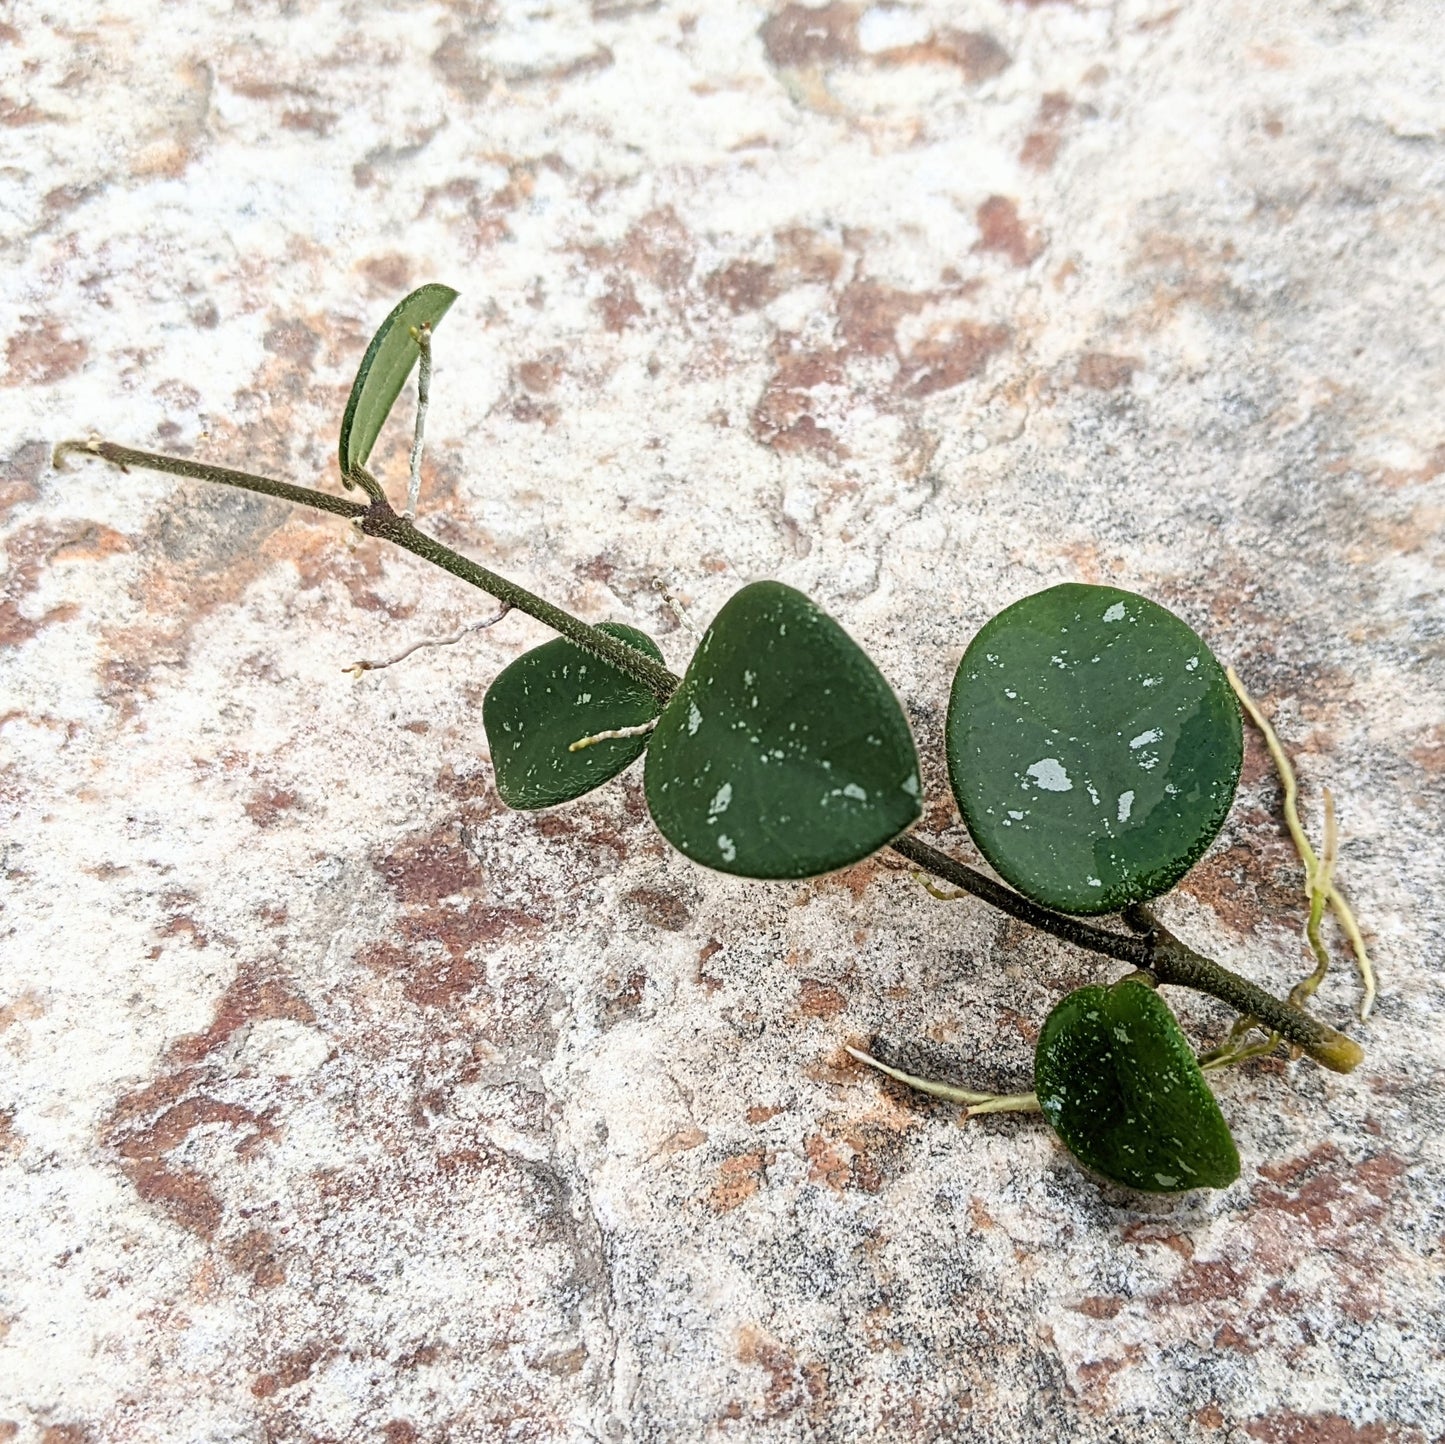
x=336, y=1102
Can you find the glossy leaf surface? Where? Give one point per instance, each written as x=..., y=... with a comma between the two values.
x=553, y=696
x=384, y=369
x=1094, y=746
x=1119, y=1082
x=784, y=753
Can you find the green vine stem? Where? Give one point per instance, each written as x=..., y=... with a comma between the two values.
x=1158, y=952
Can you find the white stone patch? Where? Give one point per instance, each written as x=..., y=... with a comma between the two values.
x=283, y=1048
x=890, y=27
x=1048, y=773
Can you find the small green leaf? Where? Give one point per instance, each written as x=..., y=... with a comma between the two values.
x=1119, y=1082
x=1094, y=745
x=384, y=369
x=784, y=753
x=553, y=696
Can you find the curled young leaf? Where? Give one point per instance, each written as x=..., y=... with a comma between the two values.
x=1094, y=746
x=784, y=753
x=556, y=695
x=393, y=351
x=1118, y=1081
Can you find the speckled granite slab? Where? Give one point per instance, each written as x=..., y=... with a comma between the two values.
x=338, y=1103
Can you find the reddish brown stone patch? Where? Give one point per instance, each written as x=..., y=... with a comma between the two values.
x=1288, y=1427
x=1430, y=753
x=291, y=1369
x=266, y=807
x=422, y=871
x=20, y=474
x=541, y=375
x=950, y=359
x=739, y=1178
x=1001, y=230
x=791, y=1386
x=1101, y=371
x=663, y=910
x=841, y=1166
x=1249, y=885
x=743, y=286
x=624, y=998
x=30, y=551
x=1100, y=1306
x=1324, y=1189
x=16, y=113
x=805, y=257
x=819, y=1000
x=147, y=1125
x=783, y=417
x=36, y=356
x=256, y=1253
x=618, y=304
x=1041, y=145
x=975, y=52
x=658, y=249
x=11, y=1143
x=388, y=274
x=441, y=979
x=705, y=955
x=251, y=998
x=869, y=313
x=804, y=35
x=1204, y=1281
x=1096, y=1376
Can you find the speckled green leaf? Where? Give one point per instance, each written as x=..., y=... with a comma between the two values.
x=1094, y=746
x=784, y=753
x=384, y=369
x=553, y=696
x=1119, y=1082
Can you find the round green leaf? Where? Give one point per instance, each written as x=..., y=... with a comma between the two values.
x=553, y=696
x=384, y=369
x=1119, y=1082
x=784, y=753
x=1094, y=745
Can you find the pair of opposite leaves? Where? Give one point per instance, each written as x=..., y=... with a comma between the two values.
x=1093, y=746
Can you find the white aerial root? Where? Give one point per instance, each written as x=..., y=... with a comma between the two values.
x=974, y=1103
x=357, y=668
x=1320, y=886
x=423, y=393
x=641, y=730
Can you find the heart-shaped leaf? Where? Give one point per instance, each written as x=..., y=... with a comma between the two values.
x=784, y=753
x=1119, y=1082
x=384, y=369
x=556, y=695
x=1094, y=745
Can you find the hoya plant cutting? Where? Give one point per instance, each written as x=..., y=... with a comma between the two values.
x=1094, y=744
